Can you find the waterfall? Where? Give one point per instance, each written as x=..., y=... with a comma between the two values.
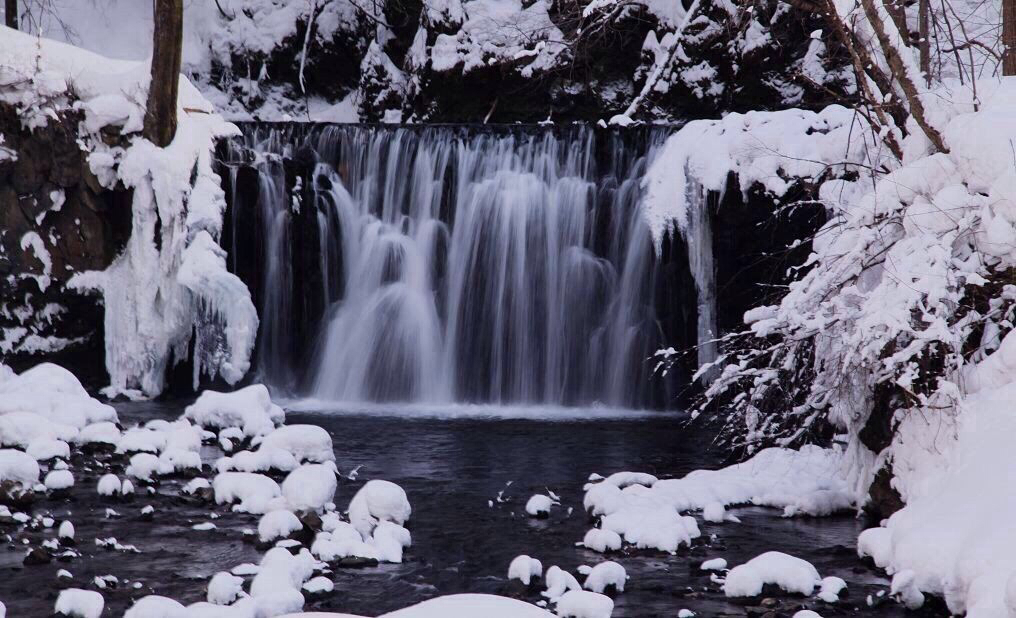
x=456, y=264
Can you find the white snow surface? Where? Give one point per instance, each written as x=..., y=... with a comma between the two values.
x=525, y=569
x=18, y=466
x=583, y=604
x=604, y=575
x=308, y=443
x=256, y=493
x=310, y=487
x=378, y=500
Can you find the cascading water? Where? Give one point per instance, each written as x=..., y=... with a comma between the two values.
x=458, y=264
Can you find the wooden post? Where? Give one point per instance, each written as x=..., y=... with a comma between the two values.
x=167, y=57
x=11, y=13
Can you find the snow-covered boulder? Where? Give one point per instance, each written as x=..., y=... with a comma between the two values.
x=18, y=466
x=378, y=500
x=790, y=573
x=485, y=605
x=23, y=428
x=224, y=588
x=256, y=493
x=525, y=569
x=310, y=487
x=55, y=394
x=583, y=604
x=559, y=582
x=604, y=576
x=250, y=409
x=601, y=540
x=46, y=449
x=77, y=603
x=155, y=606
x=305, y=442
x=58, y=479
x=277, y=524
x=539, y=505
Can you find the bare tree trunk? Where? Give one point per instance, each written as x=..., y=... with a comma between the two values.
x=1008, y=37
x=167, y=57
x=924, y=31
x=899, y=70
x=11, y=13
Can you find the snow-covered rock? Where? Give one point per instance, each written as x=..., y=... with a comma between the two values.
x=378, y=500
x=256, y=493
x=305, y=442
x=488, y=606
x=77, y=603
x=58, y=479
x=18, y=466
x=249, y=408
x=155, y=606
x=601, y=540
x=790, y=573
x=525, y=569
x=539, y=505
x=46, y=449
x=605, y=575
x=277, y=524
x=583, y=604
x=559, y=582
x=224, y=588
x=310, y=487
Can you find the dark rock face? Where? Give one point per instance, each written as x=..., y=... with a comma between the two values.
x=50, y=200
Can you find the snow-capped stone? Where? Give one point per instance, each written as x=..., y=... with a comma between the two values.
x=559, y=582
x=250, y=409
x=109, y=485
x=714, y=512
x=224, y=588
x=23, y=428
x=790, y=573
x=714, y=564
x=154, y=606
x=378, y=500
x=66, y=531
x=605, y=575
x=388, y=541
x=525, y=569
x=277, y=524
x=539, y=505
x=45, y=449
x=99, y=433
x=256, y=493
x=261, y=460
x=77, y=603
x=141, y=439
x=143, y=466
x=583, y=604
x=311, y=487
x=59, y=479
x=18, y=466
x=305, y=442
x=831, y=588
x=601, y=540
x=318, y=585
x=53, y=393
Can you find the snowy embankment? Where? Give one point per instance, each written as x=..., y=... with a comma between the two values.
x=46, y=411
x=170, y=284
x=647, y=512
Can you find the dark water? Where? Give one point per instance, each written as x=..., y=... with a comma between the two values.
x=450, y=470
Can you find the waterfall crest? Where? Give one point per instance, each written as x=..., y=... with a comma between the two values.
x=458, y=265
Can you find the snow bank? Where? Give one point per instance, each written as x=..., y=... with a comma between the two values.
x=646, y=512
x=53, y=393
x=250, y=408
x=788, y=572
x=161, y=291
x=771, y=148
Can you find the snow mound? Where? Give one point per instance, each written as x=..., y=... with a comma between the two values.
x=559, y=582
x=583, y=604
x=645, y=511
x=77, y=603
x=604, y=575
x=525, y=569
x=378, y=500
x=46, y=449
x=24, y=428
x=277, y=524
x=539, y=505
x=58, y=479
x=53, y=393
x=18, y=466
x=486, y=605
x=154, y=606
x=790, y=573
x=256, y=493
x=262, y=460
x=250, y=409
x=305, y=442
x=310, y=487
x=601, y=540
x=224, y=588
